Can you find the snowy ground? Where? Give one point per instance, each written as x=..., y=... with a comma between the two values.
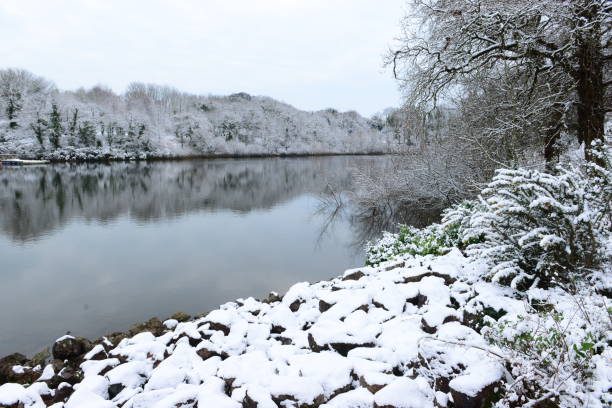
x=390, y=336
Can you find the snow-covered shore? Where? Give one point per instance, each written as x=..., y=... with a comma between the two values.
x=396, y=335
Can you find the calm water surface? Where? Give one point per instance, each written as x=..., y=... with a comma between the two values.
x=94, y=248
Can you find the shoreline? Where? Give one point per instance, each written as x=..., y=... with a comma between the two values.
x=406, y=331
x=108, y=158
x=340, y=321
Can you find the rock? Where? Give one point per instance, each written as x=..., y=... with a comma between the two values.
x=285, y=341
x=344, y=348
x=219, y=327
x=394, y=266
x=419, y=300
x=206, y=354
x=70, y=375
x=313, y=344
x=114, y=390
x=62, y=394
x=97, y=353
x=295, y=306
x=427, y=328
x=23, y=376
x=379, y=305
x=481, y=400
x=324, y=306
x=180, y=316
x=153, y=325
x=14, y=359
x=373, y=388
x=248, y=402
x=69, y=348
x=354, y=276
x=41, y=357
x=448, y=280
x=272, y=298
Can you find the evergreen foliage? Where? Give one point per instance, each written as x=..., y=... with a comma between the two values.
x=55, y=126
x=544, y=229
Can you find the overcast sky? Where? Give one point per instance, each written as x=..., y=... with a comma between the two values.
x=312, y=54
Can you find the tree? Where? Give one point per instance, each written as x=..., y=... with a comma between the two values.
x=73, y=125
x=39, y=127
x=19, y=88
x=87, y=133
x=55, y=126
x=535, y=42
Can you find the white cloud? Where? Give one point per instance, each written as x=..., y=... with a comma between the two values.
x=310, y=53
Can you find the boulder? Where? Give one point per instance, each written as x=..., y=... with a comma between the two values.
x=69, y=348
x=481, y=399
x=153, y=325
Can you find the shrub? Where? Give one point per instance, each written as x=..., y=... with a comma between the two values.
x=552, y=356
x=409, y=240
x=436, y=239
x=540, y=228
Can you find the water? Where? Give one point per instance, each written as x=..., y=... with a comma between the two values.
x=94, y=248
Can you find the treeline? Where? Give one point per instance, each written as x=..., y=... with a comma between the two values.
x=151, y=120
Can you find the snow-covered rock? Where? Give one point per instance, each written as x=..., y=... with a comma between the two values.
x=388, y=337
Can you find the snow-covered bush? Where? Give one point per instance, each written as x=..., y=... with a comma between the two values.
x=552, y=356
x=436, y=239
x=430, y=240
x=543, y=229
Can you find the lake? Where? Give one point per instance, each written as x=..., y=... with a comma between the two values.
x=95, y=248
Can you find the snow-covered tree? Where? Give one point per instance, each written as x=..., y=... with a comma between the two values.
x=537, y=43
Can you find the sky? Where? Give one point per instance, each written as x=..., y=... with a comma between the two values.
x=313, y=54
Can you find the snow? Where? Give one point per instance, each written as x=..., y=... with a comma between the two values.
x=477, y=377
x=65, y=337
x=47, y=373
x=405, y=393
x=16, y=393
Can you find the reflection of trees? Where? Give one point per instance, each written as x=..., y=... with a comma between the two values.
x=369, y=221
x=35, y=200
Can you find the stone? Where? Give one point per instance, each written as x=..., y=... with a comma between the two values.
x=313, y=344
x=41, y=357
x=273, y=297
x=481, y=400
x=114, y=390
x=153, y=325
x=344, y=348
x=219, y=327
x=427, y=328
x=205, y=354
x=69, y=348
x=180, y=316
x=62, y=394
x=295, y=306
x=354, y=276
x=7, y=374
x=448, y=280
x=419, y=300
x=324, y=306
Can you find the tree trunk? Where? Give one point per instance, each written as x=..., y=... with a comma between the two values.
x=589, y=83
x=551, y=145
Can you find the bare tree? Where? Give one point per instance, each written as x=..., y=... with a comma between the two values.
x=535, y=42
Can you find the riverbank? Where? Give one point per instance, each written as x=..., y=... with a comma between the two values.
x=405, y=333
x=93, y=156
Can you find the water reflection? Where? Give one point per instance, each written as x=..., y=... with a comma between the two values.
x=94, y=248
x=37, y=200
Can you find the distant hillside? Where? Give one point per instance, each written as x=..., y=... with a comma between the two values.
x=38, y=120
